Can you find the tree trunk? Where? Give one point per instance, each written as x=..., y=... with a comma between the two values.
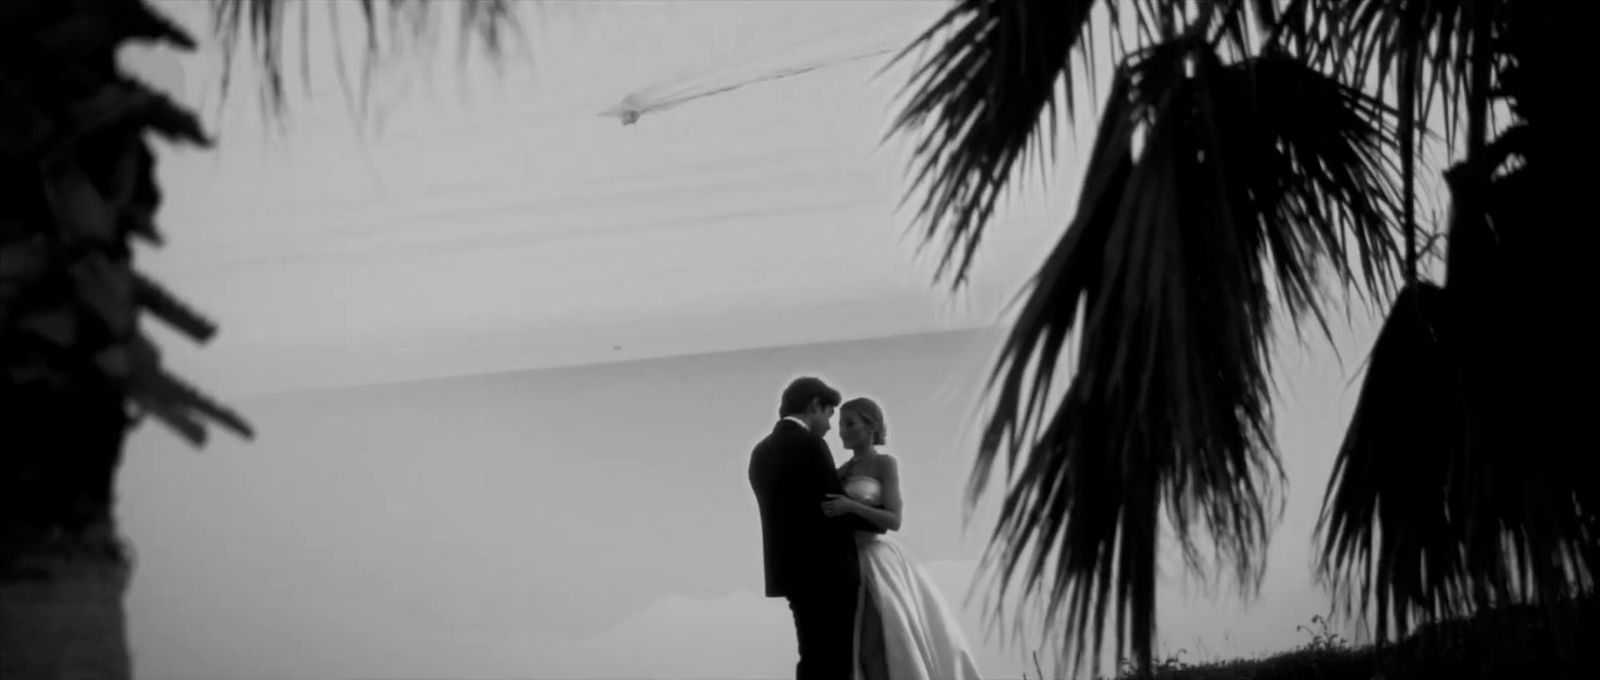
x=63, y=569
x=66, y=622
x=62, y=419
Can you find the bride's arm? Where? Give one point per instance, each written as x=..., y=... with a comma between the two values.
x=888, y=516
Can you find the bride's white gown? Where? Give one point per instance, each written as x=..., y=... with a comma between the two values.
x=921, y=636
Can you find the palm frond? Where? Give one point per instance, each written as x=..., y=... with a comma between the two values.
x=1252, y=177
x=257, y=26
x=1449, y=495
x=69, y=307
x=979, y=104
x=1366, y=40
x=987, y=101
x=1384, y=522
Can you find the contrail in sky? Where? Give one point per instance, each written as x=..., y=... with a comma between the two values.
x=661, y=98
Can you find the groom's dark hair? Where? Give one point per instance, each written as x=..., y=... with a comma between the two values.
x=797, y=397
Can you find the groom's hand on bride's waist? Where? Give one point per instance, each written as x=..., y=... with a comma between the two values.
x=835, y=505
x=844, y=508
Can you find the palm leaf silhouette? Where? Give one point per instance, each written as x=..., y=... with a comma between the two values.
x=1455, y=489
x=1205, y=203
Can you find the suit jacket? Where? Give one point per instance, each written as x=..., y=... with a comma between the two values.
x=791, y=472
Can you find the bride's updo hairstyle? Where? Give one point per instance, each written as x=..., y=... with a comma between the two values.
x=868, y=411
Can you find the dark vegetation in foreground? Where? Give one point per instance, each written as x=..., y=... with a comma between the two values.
x=1505, y=643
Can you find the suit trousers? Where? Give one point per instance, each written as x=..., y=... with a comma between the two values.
x=824, y=625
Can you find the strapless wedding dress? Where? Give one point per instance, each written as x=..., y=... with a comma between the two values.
x=921, y=637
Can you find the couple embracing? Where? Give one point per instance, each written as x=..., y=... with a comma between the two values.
x=862, y=608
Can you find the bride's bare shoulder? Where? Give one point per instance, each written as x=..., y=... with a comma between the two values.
x=881, y=465
x=888, y=464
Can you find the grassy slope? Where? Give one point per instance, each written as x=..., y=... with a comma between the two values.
x=1511, y=643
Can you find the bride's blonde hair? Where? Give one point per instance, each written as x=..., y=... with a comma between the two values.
x=869, y=411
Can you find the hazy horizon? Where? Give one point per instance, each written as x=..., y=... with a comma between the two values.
x=505, y=526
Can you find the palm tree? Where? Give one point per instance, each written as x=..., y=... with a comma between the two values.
x=76, y=372
x=1244, y=150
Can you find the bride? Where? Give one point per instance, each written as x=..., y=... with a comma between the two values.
x=904, y=629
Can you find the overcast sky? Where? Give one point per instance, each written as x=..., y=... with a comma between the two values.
x=519, y=228
x=419, y=504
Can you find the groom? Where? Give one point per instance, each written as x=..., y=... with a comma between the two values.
x=810, y=557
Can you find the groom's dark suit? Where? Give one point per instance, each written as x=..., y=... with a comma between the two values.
x=810, y=557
